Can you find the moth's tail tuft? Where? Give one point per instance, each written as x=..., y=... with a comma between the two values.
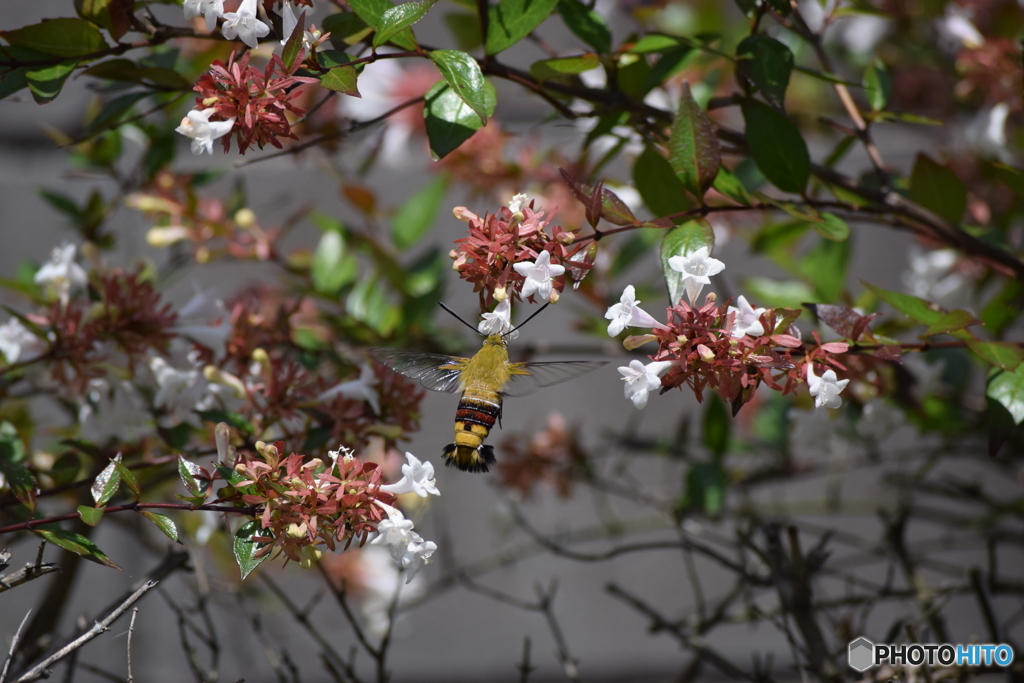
x=469, y=459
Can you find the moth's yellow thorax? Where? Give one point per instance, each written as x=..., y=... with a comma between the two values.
x=489, y=368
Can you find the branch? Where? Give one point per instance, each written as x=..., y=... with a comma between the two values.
x=41, y=670
x=31, y=571
x=250, y=511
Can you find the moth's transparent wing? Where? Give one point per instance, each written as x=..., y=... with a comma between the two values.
x=529, y=377
x=433, y=370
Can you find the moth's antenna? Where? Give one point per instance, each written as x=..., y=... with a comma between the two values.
x=535, y=313
x=459, y=318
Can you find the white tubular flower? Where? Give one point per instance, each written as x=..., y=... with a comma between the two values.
x=417, y=555
x=191, y=8
x=986, y=133
x=627, y=313
x=61, y=274
x=198, y=126
x=825, y=389
x=18, y=344
x=957, y=29
x=539, y=275
x=244, y=25
x=747, y=321
x=518, y=203
x=176, y=389
x=356, y=389
x=500, y=321
x=288, y=21
x=416, y=478
x=395, y=532
x=697, y=269
x=212, y=10
x=641, y=381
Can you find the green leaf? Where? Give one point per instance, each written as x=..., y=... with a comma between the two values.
x=113, y=15
x=415, y=217
x=13, y=80
x=45, y=82
x=293, y=43
x=717, y=426
x=1005, y=355
x=106, y=483
x=561, y=67
x=189, y=471
x=463, y=75
x=12, y=448
x=76, y=543
x=346, y=28
x=938, y=189
x=327, y=272
x=449, y=120
x=658, y=185
x=657, y=43
x=245, y=549
x=64, y=37
x=683, y=241
x=825, y=266
x=129, y=479
x=1008, y=389
x=832, y=227
x=588, y=25
x=19, y=478
x=764, y=64
x=90, y=515
x=371, y=12
x=877, y=85
x=234, y=420
x=729, y=185
x=706, y=484
x=778, y=293
x=776, y=146
x=1004, y=308
x=399, y=18
x=512, y=20
x=693, y=148
x=915, y=308
x=465, y=26
x=951, y=322
x=163, y=523
x=342, y=79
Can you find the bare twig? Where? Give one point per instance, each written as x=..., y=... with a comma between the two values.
x=14, y=647
x=570, y=666
x=42, y=669
x=524, y=667
x=131, y=630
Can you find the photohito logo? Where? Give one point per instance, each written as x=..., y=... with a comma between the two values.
x=863, y=654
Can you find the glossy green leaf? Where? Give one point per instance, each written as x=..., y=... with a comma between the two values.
x=128, y=478
x=776, y=146
x=1008, y=389
x=512, y=20
x=343, y=79
x=45, y=82
x=682, y=241
x=658, y=185
x=658, y=43
x=717, y=427
x=417, y=214
x=462, y=73
x=449, y=120
x=63, y=37
x=765, y=65
x=915, y=308
x=1005, y=355
x=163, y=523
x=189, y=473
x=326, y=272
x=588, y=25
x=371, y=11
x=825, y=265
x=19, y=478
x=76, y=543
x=877, y=85
x=778, y=293
x=106, y=483
x=13, y=80
x=245, y=548
x=560, y=67
x=938, y=189
x=1004, y=308
x=693, y=148
x=90, y=515
x=832, y=227
x=293, y=43
x=951, y=322
x=728, y=184
x=399, y=18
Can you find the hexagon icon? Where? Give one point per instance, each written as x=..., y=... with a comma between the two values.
x=862, y=654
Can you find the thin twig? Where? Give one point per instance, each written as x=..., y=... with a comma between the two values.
x=524, y=667
x=14, y=647
x=41, y=670
x=131, y=630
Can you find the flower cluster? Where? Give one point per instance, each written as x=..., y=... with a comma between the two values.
x=511, y=254
x=256, y=101
x=731, y=350
x=306, y=504
x=553, y=454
